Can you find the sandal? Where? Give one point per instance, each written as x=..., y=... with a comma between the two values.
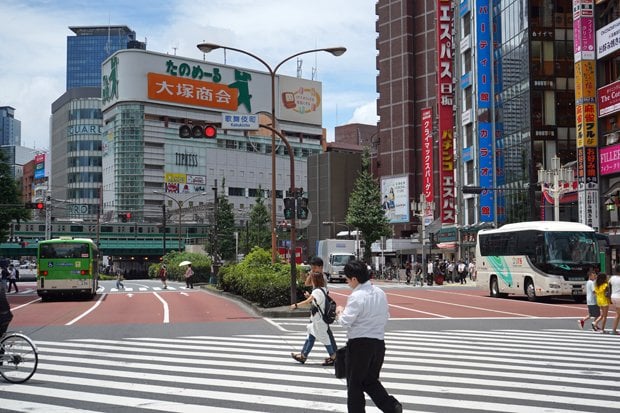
x=329, y=361
x=299, y=357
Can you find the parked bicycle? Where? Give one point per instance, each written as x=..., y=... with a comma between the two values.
x=18, y=357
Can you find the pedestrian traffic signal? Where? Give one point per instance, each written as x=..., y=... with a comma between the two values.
x=289, y=208
x=208, y=131
x=302, y=208
x=35, y=205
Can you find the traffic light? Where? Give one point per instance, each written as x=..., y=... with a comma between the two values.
x=472, y=189
x=208, y=131
x=289, y=208
x=35, y=205
x=302, y=208
x=124, y=216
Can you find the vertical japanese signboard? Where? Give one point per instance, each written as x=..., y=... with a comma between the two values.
x=484, y=100
x=445, y=98
x=427, y=154
x=585, y=112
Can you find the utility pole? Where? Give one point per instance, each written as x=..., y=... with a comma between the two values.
x=163, y=221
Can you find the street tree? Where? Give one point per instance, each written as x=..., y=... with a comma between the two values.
x=365, y=212
x=226, y=227
x=259, y=232
x=12, y=205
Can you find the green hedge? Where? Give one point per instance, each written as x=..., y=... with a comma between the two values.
x=201, y=264
x=259, y=281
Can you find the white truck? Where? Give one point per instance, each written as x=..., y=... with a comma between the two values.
x=335, y=253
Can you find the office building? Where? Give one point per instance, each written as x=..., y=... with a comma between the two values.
x=148, y=96
x=515, y=87
x=10, y=128
x=90, y=46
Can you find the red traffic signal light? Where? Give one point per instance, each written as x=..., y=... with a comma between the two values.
x=124, y=216
x=198, y=131
x=210, y=131
x=34, y=205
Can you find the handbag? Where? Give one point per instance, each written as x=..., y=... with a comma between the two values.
x=340, y=366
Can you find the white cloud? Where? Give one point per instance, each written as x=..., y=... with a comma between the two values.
x=33, y=46
x=365, y=114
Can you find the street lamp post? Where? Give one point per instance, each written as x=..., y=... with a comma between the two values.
x=557, y=181
x=293, y=228
x=336, y=51
x=420, y=209
x=180, y=206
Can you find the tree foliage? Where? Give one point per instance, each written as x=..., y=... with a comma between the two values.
x=259, y=232
x=365, y=211
x=12, y=205
x=226, y=228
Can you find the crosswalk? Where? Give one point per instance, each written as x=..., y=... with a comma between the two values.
x=552, y=371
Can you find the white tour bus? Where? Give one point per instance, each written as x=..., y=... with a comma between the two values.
x=537, y=259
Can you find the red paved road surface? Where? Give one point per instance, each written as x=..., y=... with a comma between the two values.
x=197, y=305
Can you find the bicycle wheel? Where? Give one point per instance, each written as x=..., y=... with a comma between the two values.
x=18, y=358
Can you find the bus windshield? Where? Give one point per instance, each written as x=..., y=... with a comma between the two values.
x=64, y=250
x=570, y=248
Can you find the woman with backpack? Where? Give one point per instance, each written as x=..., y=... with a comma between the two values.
x=317, y=327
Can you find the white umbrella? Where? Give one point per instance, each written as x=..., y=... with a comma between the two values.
x=182, y=263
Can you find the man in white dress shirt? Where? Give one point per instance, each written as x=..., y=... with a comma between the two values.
x=365, y=317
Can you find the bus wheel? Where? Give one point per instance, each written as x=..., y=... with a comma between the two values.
x=494, y=288
x=529, y=290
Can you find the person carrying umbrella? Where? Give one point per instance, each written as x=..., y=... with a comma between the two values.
x=189, y=276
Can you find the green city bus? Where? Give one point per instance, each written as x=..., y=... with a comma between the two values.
x=67, y=266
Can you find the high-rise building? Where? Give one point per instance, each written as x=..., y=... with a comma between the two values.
x=75, y=145
x=486, y=93
x=90, y=46
x=10, y=128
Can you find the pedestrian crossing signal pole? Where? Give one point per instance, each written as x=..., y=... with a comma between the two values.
x=420, y=209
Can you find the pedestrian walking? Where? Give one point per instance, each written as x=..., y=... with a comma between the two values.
x=4, y=274
x=119, y=280
x=317, y=328
x=471, y=270
x=5, y=311
x=316, y=266
x=614, y=282
x=364, y=318
x=593, y=309
x=602, y=300
x=12, y=279
x=408, y=272
x=189, y=276
x=462, y=270
x=163, y=275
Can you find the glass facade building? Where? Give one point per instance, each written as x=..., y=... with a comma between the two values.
x=90, y=46
x=10, y=128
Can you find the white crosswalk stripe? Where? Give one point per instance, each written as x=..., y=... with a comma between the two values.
x=552, y=371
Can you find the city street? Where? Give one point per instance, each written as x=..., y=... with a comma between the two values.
x=450, y=348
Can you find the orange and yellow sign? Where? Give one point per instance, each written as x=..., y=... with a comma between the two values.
x=191, y=92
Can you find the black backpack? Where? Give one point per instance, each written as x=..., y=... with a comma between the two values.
x=329, y=315
x=16, y=274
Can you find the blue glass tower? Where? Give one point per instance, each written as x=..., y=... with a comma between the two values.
x=10, y=128
x=90, y=46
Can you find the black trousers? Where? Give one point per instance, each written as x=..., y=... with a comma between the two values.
x=364, y=359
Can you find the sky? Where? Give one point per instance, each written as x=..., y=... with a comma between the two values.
x=33, y=43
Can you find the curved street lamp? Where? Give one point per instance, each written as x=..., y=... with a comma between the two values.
x=180, y=205
x=336, y=51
